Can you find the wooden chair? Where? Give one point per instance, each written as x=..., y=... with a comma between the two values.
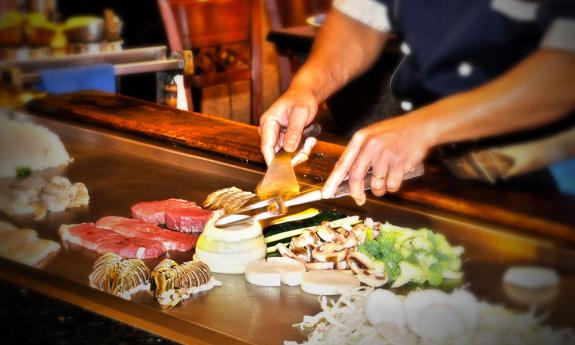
x=289, y=13
x=225, y=37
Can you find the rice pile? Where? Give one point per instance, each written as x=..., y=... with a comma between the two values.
x=26, y=145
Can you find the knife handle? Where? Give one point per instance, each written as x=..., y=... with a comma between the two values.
x=343, y=188
x=307, y=143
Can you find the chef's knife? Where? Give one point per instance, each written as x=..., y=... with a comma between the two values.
x=277, y=205
x=280, y=178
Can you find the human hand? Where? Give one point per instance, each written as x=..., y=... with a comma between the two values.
x=391, y=148
x=282, y=125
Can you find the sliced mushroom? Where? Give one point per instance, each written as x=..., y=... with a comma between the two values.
x=302, y=254
x=306, y=238
x=358, y=262
x=329, y=252
x=341, y=265
x=316, y=240
x=364, y=269
x=349, y=240
x=285, y=251
x=360, y=232
x=325, y=232
x=314, y=266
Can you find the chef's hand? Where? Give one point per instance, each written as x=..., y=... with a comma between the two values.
x=282, y=125
x=391, y=148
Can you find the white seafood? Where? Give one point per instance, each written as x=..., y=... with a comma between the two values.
x=384, y=306
x=56, y=197
x=36, y=196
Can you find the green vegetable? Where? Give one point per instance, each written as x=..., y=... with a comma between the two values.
x=413, y=256
x=283, y=232
x=23, y=171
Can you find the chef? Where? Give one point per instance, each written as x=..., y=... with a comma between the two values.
x=470, y=70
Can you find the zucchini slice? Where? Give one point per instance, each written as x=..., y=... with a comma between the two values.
x=283, y=232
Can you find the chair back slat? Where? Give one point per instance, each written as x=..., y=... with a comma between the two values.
x=217, y=32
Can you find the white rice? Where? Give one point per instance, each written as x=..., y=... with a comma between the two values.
x=27, y=145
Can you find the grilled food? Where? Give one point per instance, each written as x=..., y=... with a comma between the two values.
x=118, y=276
x=172, y=283
x=228, y=199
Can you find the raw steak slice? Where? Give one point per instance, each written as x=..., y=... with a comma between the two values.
x=126, y=247
x=155, y=211
x=87, y=235
x=138, y=228
x=100, y=240
x=187, y=219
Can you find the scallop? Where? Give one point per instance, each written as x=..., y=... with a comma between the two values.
x=531, y=277
x=464, y=302
x=417, y=301
x=439, y=322
x=384, y=306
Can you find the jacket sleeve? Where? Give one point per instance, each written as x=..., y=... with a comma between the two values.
x=373, y=13
x=557, y=19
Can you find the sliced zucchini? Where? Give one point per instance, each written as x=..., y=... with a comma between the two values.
x=347, y=221
x=310, y=212
x=328, y=215
x=285, y=235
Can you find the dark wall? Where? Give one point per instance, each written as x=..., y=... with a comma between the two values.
x=142, y=27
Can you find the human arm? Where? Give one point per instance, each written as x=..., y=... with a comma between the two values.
x=537, y=91
x=343, y=49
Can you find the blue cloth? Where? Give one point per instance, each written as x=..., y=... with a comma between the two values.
x=564, y=174
x=71, y=79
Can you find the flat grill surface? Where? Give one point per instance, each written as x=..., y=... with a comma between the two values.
x=120, y=170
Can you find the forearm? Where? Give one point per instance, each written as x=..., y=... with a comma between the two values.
x=343, y=49
x=538, y=91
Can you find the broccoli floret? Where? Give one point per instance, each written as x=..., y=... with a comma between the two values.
x=417, y=256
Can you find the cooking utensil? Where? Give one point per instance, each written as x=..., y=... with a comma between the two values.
x=278, y=205
x=112, y=26
x=280, y=178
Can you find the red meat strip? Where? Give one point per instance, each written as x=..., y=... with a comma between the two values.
x=127, y=247
x=91, y=237
x=187, y=219
x=154, y=212
x=140, y=229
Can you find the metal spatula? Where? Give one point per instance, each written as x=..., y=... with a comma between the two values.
x=280, y=178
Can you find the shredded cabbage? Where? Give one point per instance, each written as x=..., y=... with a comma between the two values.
x=343, y=322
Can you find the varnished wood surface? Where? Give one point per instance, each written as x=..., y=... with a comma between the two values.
x=546, y=215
